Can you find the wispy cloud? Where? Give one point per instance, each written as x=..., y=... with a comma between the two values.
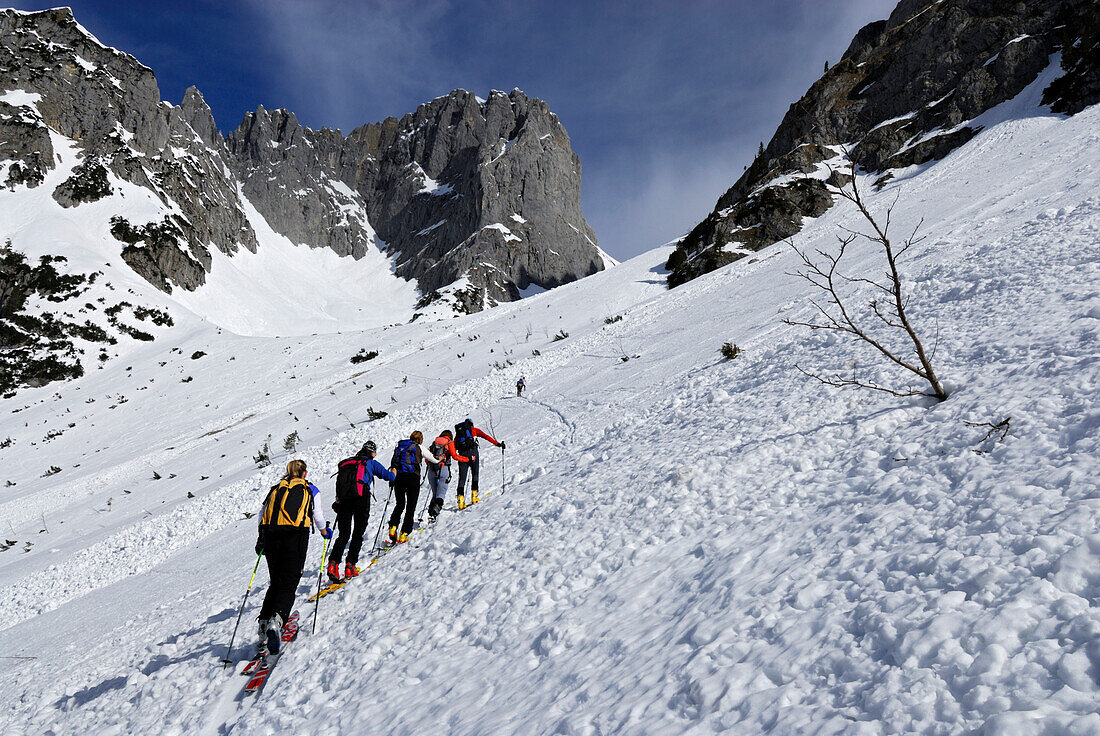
x=664, y=101
x=342, y=64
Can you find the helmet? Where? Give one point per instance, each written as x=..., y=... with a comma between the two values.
x=469, y=422
x=369, y=446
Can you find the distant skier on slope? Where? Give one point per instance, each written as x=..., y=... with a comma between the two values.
x=288, y=511
x=520, y=385
x=466, y=435
x=354, y=478
x=407, y=458
x=444, y=449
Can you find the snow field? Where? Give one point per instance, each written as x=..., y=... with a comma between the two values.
x=685, y=544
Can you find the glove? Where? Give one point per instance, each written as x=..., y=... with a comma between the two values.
x=260, y=544
x=502, y=447
x=326, y=533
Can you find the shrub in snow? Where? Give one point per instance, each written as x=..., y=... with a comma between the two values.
x=561, y=336
x=263, y=457
x=363, y=356
x=730, y=351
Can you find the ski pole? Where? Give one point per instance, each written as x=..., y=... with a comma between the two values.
x=317, y=600
x=423, y=506
x=227, y=660
x=502, y=471
x=382, y=520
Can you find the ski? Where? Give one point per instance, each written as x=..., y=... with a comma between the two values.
x=259, y=669
x=330, y=588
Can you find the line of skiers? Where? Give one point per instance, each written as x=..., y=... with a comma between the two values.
x=291, y=510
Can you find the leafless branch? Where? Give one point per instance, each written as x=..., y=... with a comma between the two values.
x=823, y=273
x=1002, y=426
x=839, y=382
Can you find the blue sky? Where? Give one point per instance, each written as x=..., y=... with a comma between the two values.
x=665, y=102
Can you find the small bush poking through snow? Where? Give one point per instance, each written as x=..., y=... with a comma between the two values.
x=363, y=356
x=730, y=351
x=263, y=457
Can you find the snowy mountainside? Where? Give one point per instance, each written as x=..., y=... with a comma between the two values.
x=908, y=90
x=258, y=232
x=674, y=543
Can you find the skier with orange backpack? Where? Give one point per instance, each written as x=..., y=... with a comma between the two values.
x=289, y=512
x=443, y=449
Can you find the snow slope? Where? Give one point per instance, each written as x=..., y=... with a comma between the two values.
x=682, y=544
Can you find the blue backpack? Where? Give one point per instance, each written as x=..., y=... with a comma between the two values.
x=404, y=457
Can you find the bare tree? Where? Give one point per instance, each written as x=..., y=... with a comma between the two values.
x=888, y=305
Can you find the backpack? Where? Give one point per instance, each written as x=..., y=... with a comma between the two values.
x=437, y=450
x=464, y=439
x=404, y=457
x=288, y=504
x=349, y=478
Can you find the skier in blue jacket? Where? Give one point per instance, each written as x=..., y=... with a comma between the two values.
x=354, y=479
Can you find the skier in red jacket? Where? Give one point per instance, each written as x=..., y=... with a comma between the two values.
x=466, y=435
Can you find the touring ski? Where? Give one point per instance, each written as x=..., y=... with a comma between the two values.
x=259, y=669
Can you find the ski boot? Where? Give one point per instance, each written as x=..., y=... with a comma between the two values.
x=433, y=509
x=393, y=535
x=473, y=497
x=333, y=571
x=461, y=502
x=274, y=633
x=261, y=648
x=350, y=571
x=404, y=537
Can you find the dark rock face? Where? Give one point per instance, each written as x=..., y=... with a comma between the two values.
x=110, y=104
x=902, y=94
x=487, y=190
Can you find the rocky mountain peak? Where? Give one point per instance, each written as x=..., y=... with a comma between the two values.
x=904, y=93
x=458, y=183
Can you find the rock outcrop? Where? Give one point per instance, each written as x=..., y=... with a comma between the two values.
x=482, y=190
x=905, y=92
x=110, y=105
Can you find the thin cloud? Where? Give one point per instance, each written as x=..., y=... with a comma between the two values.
x=339, y=64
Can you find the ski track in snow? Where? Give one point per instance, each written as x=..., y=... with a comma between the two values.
x=686, y=545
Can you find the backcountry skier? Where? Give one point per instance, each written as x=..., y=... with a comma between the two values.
x=289, y=510
x=466, y=435
x=444, y=450
x=354, y=478
x=520, y=385
x=407, y=458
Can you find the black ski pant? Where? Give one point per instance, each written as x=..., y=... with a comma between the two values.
x=406, y=491
x=351, y=523
x=285, y=550
x=473, y=468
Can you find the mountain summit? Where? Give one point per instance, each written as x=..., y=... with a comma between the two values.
x=454, y=208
